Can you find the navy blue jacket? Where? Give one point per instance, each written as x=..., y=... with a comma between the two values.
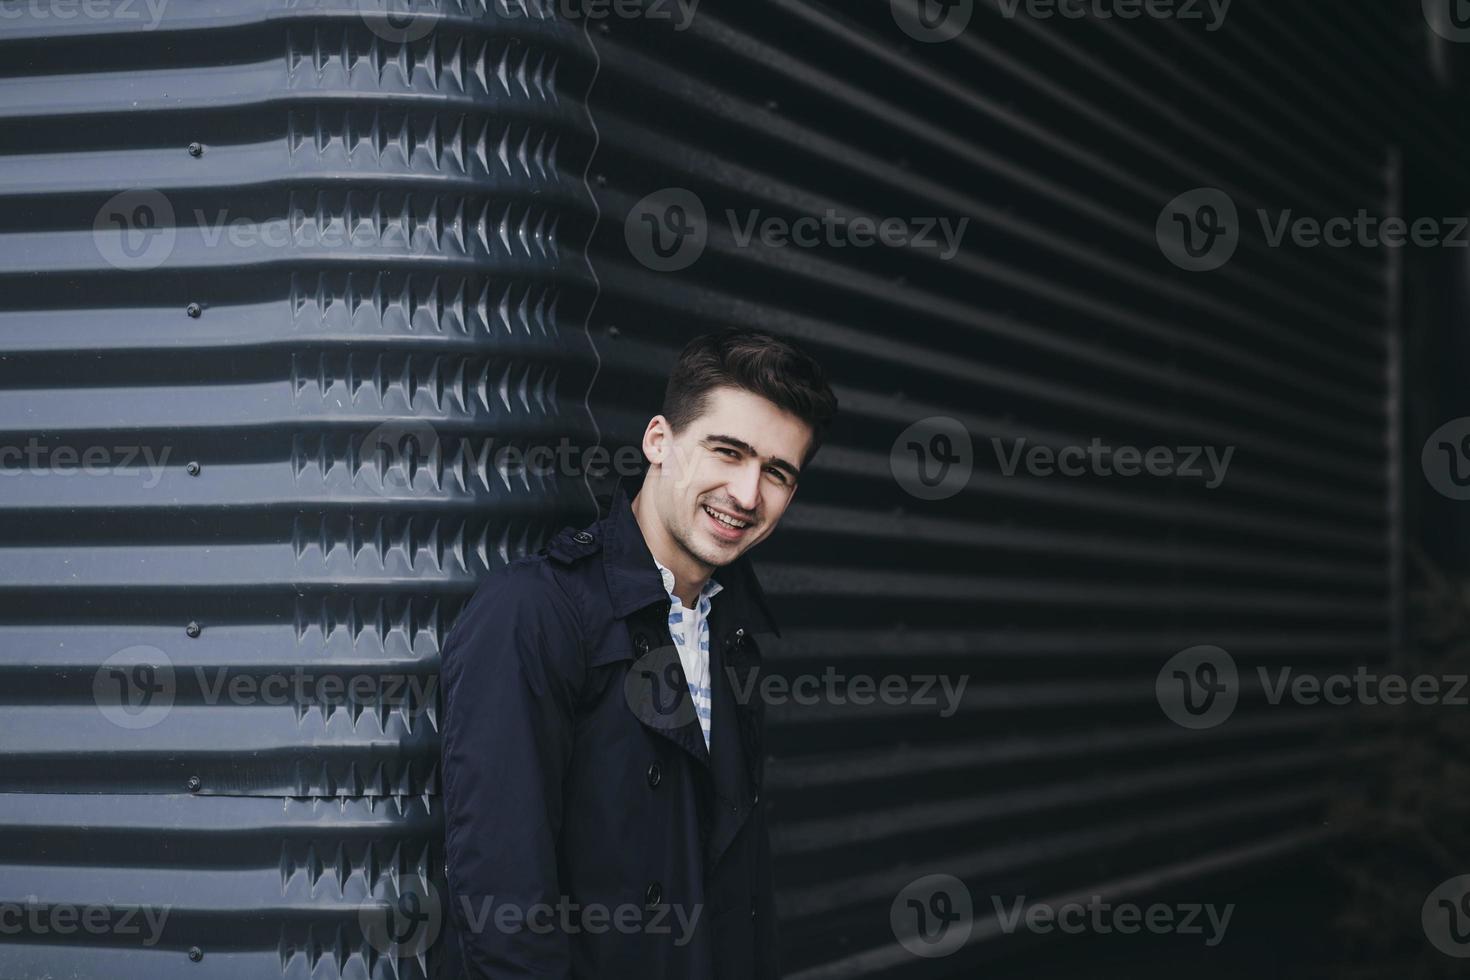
x=576, y=775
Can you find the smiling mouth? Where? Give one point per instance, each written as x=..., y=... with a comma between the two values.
x=726, y=526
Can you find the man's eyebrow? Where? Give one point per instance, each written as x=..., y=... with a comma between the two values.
x=749, y=450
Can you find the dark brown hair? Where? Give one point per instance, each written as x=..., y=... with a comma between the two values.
x=765, y=365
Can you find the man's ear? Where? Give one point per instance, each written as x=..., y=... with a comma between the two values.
x=656, y=440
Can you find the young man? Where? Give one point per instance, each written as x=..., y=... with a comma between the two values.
x=602, y=777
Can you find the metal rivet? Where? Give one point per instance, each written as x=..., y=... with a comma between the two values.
x=194, y=784
x=740, y=633
x=192, y=468
x=582, y=537
x=614, y=332
x=194, y=310
x=601, y=180
x=196, y=149
x=192, y=629
x=196, y=954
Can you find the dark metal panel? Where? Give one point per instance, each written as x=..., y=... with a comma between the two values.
x=342, y=276
x=1056, y=321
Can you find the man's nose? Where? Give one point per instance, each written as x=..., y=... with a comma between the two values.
x=745, y=489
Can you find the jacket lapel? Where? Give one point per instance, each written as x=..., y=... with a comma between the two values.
x=737, y=614
x=658, y=691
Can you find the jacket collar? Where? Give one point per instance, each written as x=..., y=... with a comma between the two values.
x=633, y=580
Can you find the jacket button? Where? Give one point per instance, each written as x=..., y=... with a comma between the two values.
x=654, y=895
x=740, y=633
x=655, y=775
x=640, y=643
x=582, y=537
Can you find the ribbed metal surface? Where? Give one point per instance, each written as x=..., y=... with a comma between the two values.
x=1058, y=321
x=375, y=228
x=431, y=193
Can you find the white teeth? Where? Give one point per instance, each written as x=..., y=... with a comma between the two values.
x=730, y=521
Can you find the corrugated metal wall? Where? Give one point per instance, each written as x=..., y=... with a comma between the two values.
x=411, y=292
x=1059, y=321
x=378, y=230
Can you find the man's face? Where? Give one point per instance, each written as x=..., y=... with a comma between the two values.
x=739, y=459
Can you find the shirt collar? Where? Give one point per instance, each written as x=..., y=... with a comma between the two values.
x=711, y=586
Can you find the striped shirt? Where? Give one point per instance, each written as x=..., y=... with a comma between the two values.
x=690, y=630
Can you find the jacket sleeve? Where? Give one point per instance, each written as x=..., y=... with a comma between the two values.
x=511, y=670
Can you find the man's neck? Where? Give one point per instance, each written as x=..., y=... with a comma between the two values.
x=689, y=575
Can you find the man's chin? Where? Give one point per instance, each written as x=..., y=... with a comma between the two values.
x=713, y=553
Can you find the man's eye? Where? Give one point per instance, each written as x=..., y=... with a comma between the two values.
x=726, y=449
x=778, y=474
